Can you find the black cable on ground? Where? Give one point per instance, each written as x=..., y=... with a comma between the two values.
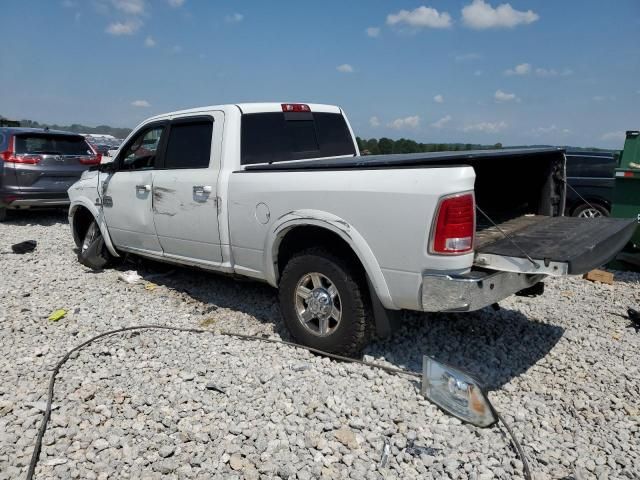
x=519, y=450
x=47, y=413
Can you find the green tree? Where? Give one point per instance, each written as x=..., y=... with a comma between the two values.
x=385, y=145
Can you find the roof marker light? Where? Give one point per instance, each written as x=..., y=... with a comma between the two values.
x=295, y=107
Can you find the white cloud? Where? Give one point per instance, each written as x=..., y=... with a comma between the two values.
x=407, y=122
x=522, y=69
x=464, y=57
x=374, y=122
x=552, y=129
x=140, y=104
x=128, y=27
x=438, y=99
x=442, y=122
x=421, y=17
x=619, y=135
x=132, y=7
x=501, y=96
x=345, y=68
x=480, y=15
x=175, y=3
x=486, y=127
x=149, y=42
x=176, y=49
x=552, y=72
x=235, y=18
x=373, y=31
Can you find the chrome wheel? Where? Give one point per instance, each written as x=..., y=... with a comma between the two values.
x=318, y=304
x=92, y=232
x=590, y=213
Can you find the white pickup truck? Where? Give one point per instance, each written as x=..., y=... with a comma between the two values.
x=279, y=193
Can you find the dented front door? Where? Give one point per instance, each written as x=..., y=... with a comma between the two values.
x=185, y=196
x=126, y=193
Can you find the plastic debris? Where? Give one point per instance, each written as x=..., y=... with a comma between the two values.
x=215, y=388
x=634, y=316
x=27, y=246
x=386, y=451
x=417, y=450
x=130, y=276
x=57, y=315
x=150, y=286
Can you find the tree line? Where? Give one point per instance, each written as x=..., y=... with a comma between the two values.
x=384, y=145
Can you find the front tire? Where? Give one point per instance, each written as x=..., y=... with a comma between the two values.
x=93, y=251
x=323, y=302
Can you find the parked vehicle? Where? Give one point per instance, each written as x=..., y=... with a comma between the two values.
x=279, y=193
x=38, y=166
x=591, y=175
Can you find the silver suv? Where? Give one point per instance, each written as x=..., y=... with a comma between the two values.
x=38, y=166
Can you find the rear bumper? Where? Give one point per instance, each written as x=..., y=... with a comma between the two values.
x=471, y=291
x=10, y=198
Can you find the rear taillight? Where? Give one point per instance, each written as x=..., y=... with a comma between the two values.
x=455, y=225
x=92, y=160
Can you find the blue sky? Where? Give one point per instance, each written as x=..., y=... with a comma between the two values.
x=477, y=71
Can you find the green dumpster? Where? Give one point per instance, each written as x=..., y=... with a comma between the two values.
x=626, y=193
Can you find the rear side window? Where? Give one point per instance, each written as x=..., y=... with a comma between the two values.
x=277, y=137
x=189, y=145
x=52, y=144
x=585, y=166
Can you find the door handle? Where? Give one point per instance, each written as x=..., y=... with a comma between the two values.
x=202, y=189
x=143, y=188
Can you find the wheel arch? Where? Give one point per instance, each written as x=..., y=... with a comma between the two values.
x=80, y=214
x=295, y=222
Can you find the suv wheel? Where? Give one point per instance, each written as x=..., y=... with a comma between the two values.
x=591, y=211
x=323, y=303
x=93, y=252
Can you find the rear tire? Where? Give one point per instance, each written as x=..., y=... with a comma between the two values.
x=590, y=211
x=324, y=303
x=93, y=251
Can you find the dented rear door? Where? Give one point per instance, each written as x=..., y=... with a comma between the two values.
x=185, y=196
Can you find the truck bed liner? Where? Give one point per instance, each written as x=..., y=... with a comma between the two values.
x=583, y=244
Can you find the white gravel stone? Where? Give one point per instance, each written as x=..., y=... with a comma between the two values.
x=562, y=368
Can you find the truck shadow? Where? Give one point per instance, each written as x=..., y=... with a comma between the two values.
x=44, y=217
x=495, y=346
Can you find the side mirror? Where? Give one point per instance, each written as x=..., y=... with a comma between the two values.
x=457, y=393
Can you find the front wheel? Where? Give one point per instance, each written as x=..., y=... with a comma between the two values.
x=324, y=303
x=93, y=252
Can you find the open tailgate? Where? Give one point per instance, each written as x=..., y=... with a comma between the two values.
x=557, y=245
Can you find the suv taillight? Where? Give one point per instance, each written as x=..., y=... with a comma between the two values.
x=11, y=156
x=455, y=225
x=94, y=159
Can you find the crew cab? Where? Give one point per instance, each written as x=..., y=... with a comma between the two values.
x=279, y=192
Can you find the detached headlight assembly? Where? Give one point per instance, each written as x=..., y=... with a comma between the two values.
x=457, y=392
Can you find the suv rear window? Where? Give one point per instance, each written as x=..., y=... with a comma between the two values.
x=277, y=137
x=590, y=166
x=52, y=144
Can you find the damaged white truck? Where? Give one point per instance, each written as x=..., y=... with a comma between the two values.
x=279, y=193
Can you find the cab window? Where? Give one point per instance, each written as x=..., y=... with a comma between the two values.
x=141, y=152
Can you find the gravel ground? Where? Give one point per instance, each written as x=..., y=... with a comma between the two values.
x=563, y=369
